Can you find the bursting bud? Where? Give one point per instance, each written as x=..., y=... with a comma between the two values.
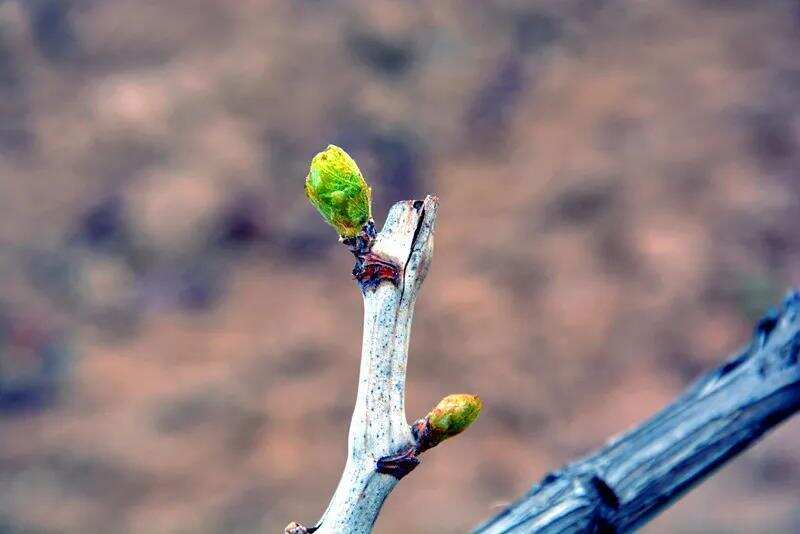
x=451, y=416
x=336, y=187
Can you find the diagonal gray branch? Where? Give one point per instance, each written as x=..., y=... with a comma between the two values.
x=640, y=473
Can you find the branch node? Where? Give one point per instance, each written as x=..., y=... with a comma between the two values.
x=607, y=495
x=765, y=327
x=370, y=271
x=398, y=465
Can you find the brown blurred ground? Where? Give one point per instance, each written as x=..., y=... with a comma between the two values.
x=178, y=334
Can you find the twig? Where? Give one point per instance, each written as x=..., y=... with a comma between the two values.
x=640, y=473
x=382, y=446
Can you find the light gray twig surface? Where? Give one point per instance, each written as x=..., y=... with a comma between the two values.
x=638, y=474
x=379, y=428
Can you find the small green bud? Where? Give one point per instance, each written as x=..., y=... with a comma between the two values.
x=337, y=189
x=453, y=415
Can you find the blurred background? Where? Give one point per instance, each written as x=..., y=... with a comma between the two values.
x=179, y=333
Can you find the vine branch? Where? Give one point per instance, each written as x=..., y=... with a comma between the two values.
x=640, y=473
x=390, y=268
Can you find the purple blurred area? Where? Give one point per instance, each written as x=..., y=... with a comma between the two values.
x=179, y=334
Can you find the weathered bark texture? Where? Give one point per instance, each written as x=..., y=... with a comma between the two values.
x=640, y=473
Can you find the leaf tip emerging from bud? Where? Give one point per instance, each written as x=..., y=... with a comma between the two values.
x=336, y=187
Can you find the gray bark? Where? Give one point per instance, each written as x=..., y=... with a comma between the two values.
x=640, y=473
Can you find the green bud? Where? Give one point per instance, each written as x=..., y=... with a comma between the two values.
x=337, y=189
x=453, y=415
